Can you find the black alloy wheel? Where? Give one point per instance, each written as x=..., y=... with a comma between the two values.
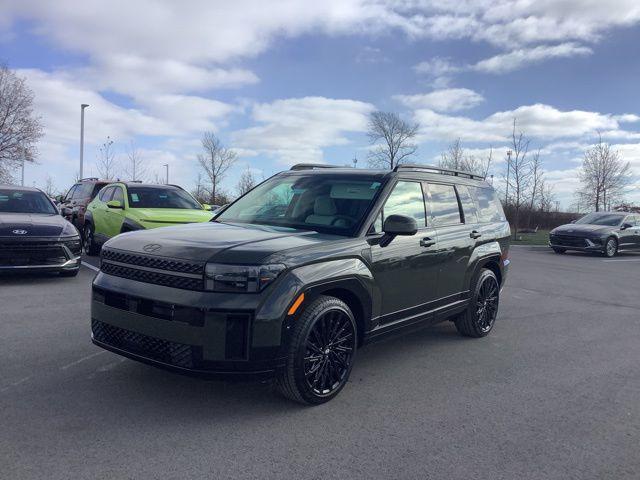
x=88, y=241
x=321, y=352
x=611, y=247
x=479, y=317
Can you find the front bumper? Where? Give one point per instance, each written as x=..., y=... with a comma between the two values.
x=588, y=245
x=39, y=255
x=193, y=332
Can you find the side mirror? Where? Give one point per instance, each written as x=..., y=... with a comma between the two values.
x=625, y=226
x=206, y=206
x=114, y=204
x=395, y=225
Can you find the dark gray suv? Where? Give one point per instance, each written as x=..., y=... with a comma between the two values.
x=290, y=279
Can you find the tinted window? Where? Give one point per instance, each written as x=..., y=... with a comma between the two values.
x=161, y=197
x=489, y=207
x=325, y=203
x=606, y=219
x=105, y=194
x=469, y=210
x=118, y=195
x=444, y=204
x=20, y=201
x=70, y=193
x=406, y=199
x=84, y=191
x=96, y=189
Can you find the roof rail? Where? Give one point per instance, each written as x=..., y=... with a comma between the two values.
x=89, y=178
x=443, y=171
x=311, y=166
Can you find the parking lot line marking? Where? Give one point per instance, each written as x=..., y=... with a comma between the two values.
x=623, y=260
x=92, y=267
x=81, y=360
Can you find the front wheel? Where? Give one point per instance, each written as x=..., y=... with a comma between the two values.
x=611, y=247
x=320, y=354
x=89, y=243
x=478, y=319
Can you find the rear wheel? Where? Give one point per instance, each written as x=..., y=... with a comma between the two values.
x=559, y=250
x=611, y=247
x=89, y=244
x=478, y=319
x=320, y=354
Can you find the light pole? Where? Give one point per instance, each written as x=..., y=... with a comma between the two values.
x=506, y=190
x=82, y=107
x=355, y=162
x=166, y=165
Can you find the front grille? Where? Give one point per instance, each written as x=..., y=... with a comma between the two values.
x=172, y=353
x=568, y=241
x=153, y=262
x=146, y=276
x=13, y=254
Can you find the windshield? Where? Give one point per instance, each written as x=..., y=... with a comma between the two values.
x=606, y=219
x=20, y=201
x=325, y=203
x=161, y=197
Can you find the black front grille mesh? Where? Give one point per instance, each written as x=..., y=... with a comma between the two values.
x=172, y=353
x=152, y=277
x=31, y=253
x=152, y=262
x=568, y=241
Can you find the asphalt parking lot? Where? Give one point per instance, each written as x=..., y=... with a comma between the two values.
x=553, y=392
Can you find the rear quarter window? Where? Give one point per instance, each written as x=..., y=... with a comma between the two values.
x=489, y=207
x=469, y=210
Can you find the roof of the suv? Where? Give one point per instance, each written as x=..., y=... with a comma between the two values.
x=20, y=188
x=424, y=172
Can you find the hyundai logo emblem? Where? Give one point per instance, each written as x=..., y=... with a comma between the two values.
x=19, y=232
x=151, y=247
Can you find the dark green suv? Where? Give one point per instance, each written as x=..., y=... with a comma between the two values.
x=290, y=279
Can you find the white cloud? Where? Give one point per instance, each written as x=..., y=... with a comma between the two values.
x=538, y=121
x=445, y=100
x=516, y=59
x=297, y=129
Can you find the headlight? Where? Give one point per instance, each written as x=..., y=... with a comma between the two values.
x=240, y=278
x=69, y=230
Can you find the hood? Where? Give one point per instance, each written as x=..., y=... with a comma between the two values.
x=34, y=224
x=225, y=243
x=171, y=215
x=580, y=229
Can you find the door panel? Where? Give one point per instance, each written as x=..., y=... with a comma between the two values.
x=406, y=269
x=114, y=217
x=455, y=242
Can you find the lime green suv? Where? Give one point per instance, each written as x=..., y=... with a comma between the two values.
x=127, y=206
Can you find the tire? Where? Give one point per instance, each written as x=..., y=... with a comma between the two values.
x=88, y=242
x=69, y=273
x=479, y=317
x=559, y=250
x=610, y=247
x=317, y=367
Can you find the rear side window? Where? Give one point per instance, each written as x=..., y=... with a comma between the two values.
x=96, y=189
x=405, y=199
x=84, y=190
x=489, y=207
x=469, y=211
x=444, y=204
x=105, y=194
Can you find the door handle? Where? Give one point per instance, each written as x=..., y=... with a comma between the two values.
x=475, y=234
x=427, y=242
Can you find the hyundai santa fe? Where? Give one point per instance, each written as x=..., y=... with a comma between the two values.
x=293, y=277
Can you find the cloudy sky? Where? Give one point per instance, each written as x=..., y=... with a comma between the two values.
x=293, y=81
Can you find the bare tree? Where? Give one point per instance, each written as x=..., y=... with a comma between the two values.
x=391, y=138
x=215, y=161
x=49, y=186
x=106, y=162
x=537, y=179
x=200, y=192
x=519, y=174
x=246, y=182
x=603, y=177
x=546, y=196
x=136, y=169
x=455, y=159
x=20, y=128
